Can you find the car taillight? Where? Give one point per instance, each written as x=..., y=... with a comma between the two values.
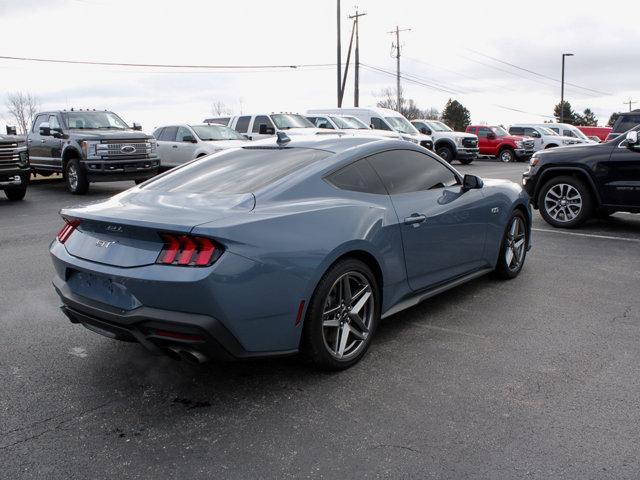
x=65, y=232
x=187, y=251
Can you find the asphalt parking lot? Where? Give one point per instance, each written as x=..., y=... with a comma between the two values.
x=533, y=378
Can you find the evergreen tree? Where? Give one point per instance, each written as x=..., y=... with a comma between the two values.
x=588, y=118
x=612, y=119
x=569, y=115
x=456, y=116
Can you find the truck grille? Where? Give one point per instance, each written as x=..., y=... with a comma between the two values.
x=8, y=153
x=125, y=149
x=528, y=145
x=469, y=142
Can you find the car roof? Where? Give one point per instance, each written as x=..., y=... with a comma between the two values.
x=330, y=142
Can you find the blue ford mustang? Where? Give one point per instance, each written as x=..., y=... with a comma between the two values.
x=276, y=248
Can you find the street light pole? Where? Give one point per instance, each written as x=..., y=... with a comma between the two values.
x=562, y=88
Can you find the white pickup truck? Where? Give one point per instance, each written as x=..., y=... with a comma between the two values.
x=448, y=144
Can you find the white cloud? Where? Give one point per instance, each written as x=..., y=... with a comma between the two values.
x=532, y=35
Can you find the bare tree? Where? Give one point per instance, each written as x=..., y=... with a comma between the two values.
x=409, y=109
x=22, y=107
x=219, y=108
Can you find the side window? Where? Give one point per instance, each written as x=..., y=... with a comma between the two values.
x=568, y=133
x=357, y=177
x=517, y=131
x=555, y=129
x=157, y=132
x=169, y=134
x=471, y=130
x=260, y=120
x=40, y=119
x=483, y=132
x=183, y=132
x=53, y=121
x=242, y=125
x=322, y=122
x=528, y=132
x=626, y=122
x=378, y=124
x=405, y=171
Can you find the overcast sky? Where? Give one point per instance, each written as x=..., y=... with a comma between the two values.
x=444, y=49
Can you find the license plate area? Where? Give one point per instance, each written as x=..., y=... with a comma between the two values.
x=101, y=289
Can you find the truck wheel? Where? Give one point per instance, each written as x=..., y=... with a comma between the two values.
x=15, y=194
x=507, y=155
x=445, y=153
x=76, y=177
x=550, y=146
x=565, y=202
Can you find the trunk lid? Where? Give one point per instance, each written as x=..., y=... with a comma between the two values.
x=124, y=231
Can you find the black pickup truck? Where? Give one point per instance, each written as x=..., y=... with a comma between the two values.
x=90, y=146
x=14, y=165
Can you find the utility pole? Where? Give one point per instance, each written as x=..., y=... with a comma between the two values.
x=397, y=47
x=562, y=88
x=356, y=88
x=339, y=64
x=630, y=103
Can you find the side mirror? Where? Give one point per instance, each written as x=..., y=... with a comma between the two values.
x=535, y=134
x=470, y=182
x=137, y=126
x=491, y=136
x=11, y=130
x=57, y=132
x=189, y=139
x=45, y=129
x=632, y=139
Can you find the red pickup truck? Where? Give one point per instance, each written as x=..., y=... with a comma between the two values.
x=496, y=142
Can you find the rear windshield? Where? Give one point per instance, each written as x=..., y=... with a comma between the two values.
x=626, y=122
x=236, y=171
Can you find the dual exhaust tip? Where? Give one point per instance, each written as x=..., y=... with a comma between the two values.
x=187, y=354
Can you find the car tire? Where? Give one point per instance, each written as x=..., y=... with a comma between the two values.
x=446, y=153
x=75, y=177
x=507, y=155
x=332, y=337
x=466, y=161
x=15, y=194
x=513, y=250
x=550, y=146
x=565, y=202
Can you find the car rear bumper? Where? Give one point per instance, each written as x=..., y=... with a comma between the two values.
x=158, y=330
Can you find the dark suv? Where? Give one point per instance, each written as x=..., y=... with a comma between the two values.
x=14, y=165
x=624, y=122
x=90, y=146
x=570, y=184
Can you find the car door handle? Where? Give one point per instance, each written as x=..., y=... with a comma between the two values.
x=42, y=141
x=415, y=219
x=174, y=146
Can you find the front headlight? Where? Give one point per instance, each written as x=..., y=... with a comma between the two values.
x=23, y=158
x=458, y=141
x=410, y=139
x=520, y=144
x=153, y=144
x=88, y=148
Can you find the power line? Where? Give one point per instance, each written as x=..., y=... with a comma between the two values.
x=535, y=73
x=161, y=65
x=424, y=84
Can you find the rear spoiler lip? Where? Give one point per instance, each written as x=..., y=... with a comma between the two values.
x=78, y=213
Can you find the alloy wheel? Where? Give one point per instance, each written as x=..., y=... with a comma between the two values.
x=506, y=156
x=516, y=244
x=347, y=315
x=563, y=202
x=72, y=175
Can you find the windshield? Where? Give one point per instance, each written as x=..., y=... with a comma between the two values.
x=402, y=125
x=285, y=121
x=349, y=123
x=235, y=171
x=499, y=131
x=548, y=131
x=216, y=132
x=578, y=133
x=94, y=120
x=439, y=127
